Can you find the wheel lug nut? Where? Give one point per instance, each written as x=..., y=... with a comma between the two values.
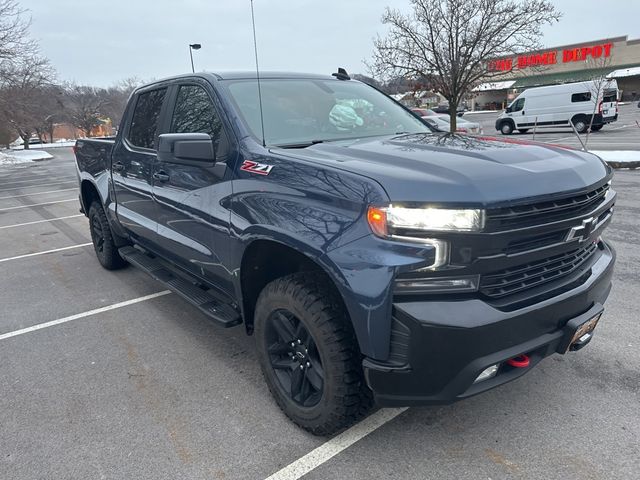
x=301, y=367
x=308, y=364
x=299, y=342
x=293, y=344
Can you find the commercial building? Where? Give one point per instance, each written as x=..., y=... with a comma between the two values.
x=617, y=58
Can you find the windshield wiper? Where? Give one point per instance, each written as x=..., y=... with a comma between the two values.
x=299, y=145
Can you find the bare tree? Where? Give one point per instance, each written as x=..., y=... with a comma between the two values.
x=25, y=82
x=116, y=99
x=14, y=26
x=450, y=43
x=598, y=85
x=85, y=107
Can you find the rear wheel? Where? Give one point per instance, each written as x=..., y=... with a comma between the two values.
x=580, y=123
x=309, y=355
x=103, y=244
x=506, y=128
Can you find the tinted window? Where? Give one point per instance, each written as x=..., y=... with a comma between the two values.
x=581, y=97
x=144, y=124
x=195, y=113
x=610, y=96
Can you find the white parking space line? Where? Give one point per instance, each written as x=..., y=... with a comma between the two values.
x=39, y=185
x=561, y=139
x=45, y=252
x=337, y=444
x=31, y=180
x=38, y=204
x=77, y=316
x=41, y=221
x=38, y=193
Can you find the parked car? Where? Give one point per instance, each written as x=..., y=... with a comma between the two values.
x=562, y=105
x=373, y=259
x=443, y=124
x=445, y=109
x=424, y=112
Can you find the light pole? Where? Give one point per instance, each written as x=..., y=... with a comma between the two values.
x=192, y=47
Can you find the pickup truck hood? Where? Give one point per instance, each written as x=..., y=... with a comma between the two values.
x=462, y=169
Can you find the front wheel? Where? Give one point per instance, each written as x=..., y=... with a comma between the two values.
x=309, y=355
x=506, y=128
x=103, y=244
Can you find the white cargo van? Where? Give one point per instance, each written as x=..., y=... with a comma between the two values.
x=557, y=105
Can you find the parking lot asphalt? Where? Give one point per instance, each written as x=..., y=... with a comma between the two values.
x=152, y=390
x=624, y=134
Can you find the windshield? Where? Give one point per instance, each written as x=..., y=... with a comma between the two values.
x=300, y=112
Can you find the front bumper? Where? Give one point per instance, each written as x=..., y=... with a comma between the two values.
x=442, y=346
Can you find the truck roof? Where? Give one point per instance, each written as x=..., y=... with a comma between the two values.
x=241, y=75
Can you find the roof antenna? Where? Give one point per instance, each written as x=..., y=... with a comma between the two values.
x=255, y=48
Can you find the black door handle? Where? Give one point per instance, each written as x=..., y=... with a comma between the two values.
x=161, y=176
x=118, y=166
x=523, y=112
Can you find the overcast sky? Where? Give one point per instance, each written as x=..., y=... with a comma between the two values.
x=102, y=42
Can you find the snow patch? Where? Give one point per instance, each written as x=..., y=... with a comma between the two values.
x=619, y=156
x=22, y=156
x=58, y=143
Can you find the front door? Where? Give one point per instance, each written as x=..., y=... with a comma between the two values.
x=518, y=113
x=193, y=221
x=132, y=164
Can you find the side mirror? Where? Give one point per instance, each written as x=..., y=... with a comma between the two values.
x=187, y=148
x=508, y=110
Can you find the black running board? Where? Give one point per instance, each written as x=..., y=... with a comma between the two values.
x=221, y=313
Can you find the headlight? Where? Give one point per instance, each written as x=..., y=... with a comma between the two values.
x=411, y=224
x=392, y=220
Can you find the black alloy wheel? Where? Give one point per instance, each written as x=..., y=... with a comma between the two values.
x=294, y=358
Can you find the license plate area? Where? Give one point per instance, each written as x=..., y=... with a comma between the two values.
x=578, y=331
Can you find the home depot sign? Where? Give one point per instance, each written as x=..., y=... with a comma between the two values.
x=553, y=57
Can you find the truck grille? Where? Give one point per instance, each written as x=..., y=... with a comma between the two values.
x=544, y=212
x=529, y=275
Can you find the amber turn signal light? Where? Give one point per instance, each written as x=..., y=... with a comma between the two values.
x=377, y=219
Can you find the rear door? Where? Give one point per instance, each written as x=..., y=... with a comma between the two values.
x=609, y=108
x=193, y=218
x=132, y=165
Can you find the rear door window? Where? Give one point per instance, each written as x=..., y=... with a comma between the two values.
x=610, y=96
x=144, y=123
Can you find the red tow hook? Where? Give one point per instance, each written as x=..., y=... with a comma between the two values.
x=521, y=361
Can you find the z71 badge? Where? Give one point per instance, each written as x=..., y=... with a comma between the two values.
x=255, y=167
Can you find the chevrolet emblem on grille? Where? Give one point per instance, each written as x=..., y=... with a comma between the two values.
x=583, y=231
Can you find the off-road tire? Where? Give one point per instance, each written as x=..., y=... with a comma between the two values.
x=102, y=238
x=345, y=398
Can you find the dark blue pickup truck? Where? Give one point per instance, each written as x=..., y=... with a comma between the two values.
x=374, y=260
